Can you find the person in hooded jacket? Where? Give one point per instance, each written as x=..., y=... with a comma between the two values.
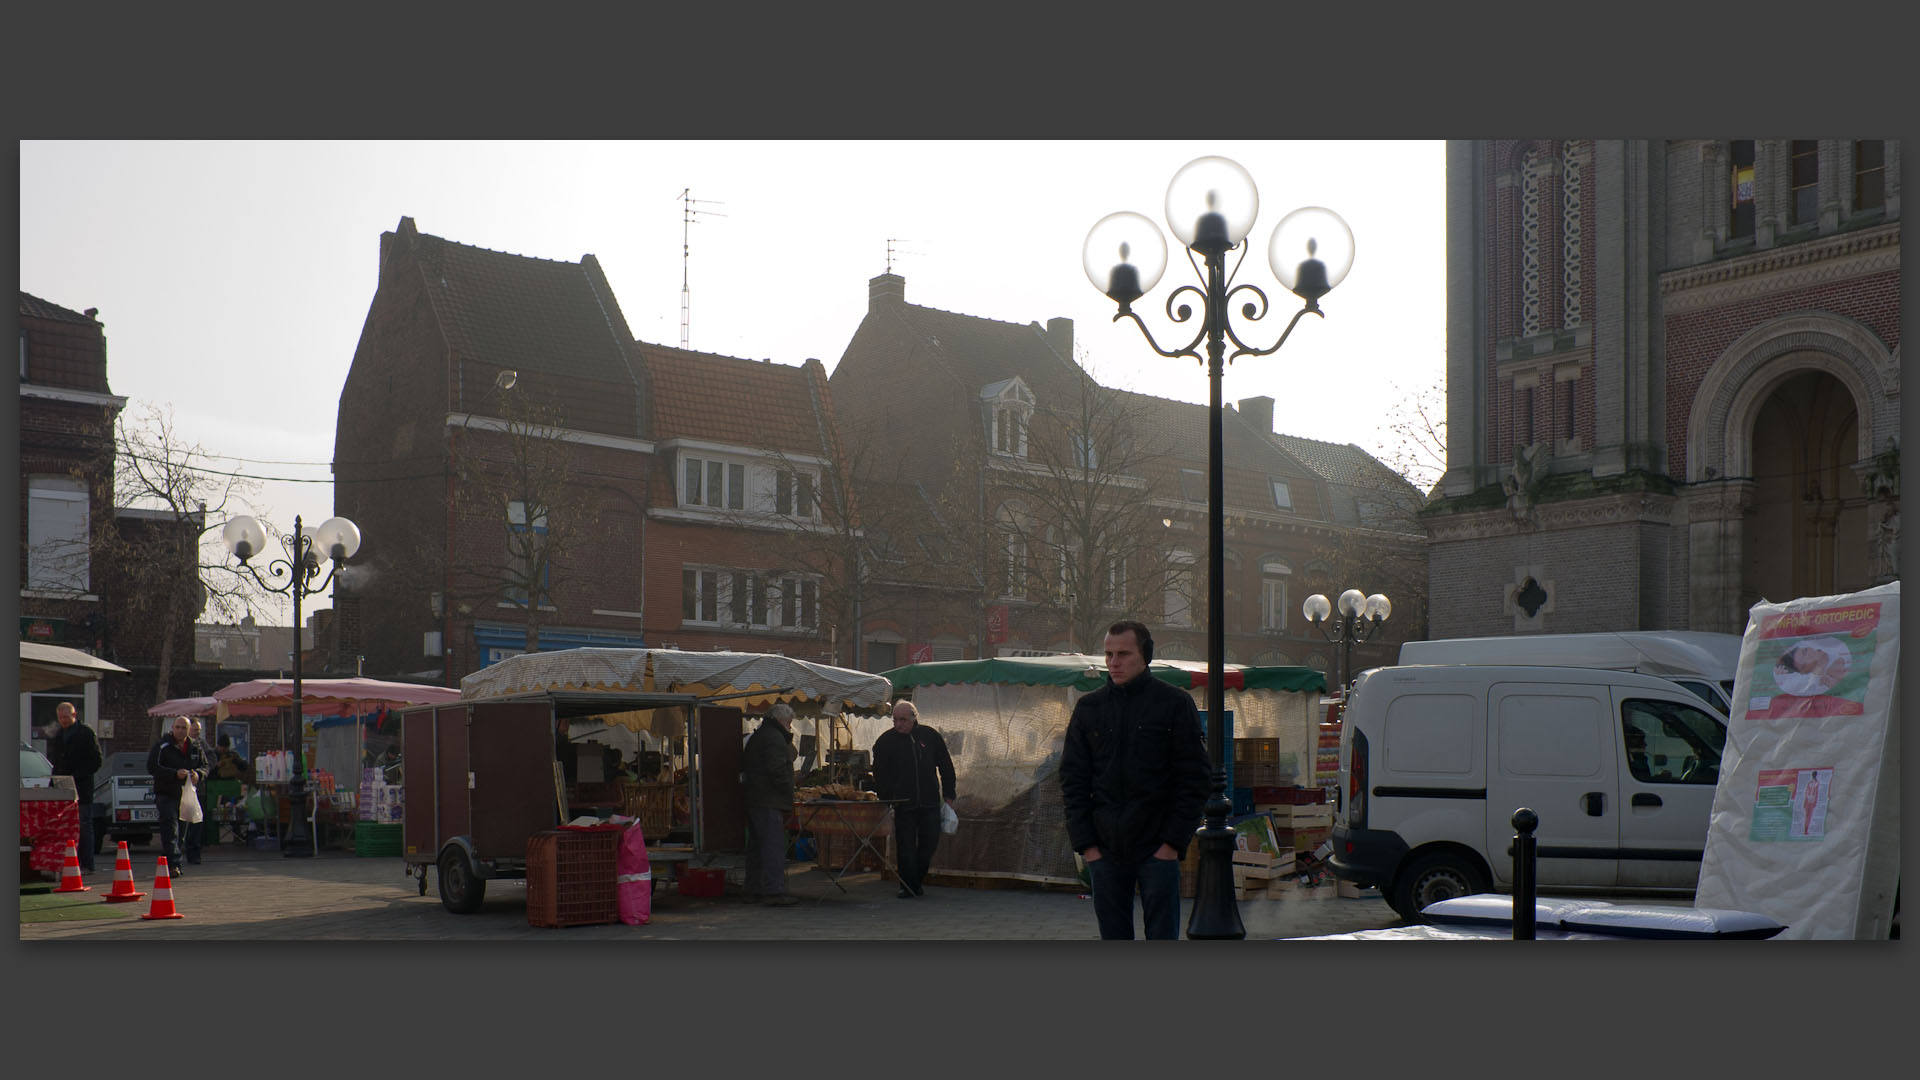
x=912, y=769
x=766, y=770
x=1134, y=778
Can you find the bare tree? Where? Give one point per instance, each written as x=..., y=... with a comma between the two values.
x=518, y=476
x=1078, y=522
x=163, y=561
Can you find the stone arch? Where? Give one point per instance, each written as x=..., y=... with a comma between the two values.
x=1720, y=423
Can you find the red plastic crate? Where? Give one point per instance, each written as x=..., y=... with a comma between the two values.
x=571, y=877
x=702, y=881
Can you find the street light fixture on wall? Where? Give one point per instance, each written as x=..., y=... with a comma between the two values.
x=1360, y=618
x=1211, y=206
x=335, y=540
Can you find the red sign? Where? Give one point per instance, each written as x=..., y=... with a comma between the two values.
x=997, y=623
x=919, y=652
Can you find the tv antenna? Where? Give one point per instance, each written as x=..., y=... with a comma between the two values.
x=891, y=251
x=686, y=250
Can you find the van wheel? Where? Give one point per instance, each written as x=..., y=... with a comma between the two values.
x=1431, y=879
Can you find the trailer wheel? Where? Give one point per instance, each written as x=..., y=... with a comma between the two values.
x=460, y=890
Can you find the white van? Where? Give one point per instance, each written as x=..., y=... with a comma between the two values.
x=1434, y=760
x=1703, y=662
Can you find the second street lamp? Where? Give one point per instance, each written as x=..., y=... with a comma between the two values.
x=1360, y=618
x=1211, y=206
x=335, y=540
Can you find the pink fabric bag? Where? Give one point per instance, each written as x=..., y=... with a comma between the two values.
x=634, y=875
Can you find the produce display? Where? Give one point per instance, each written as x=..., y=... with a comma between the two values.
x=842, y=792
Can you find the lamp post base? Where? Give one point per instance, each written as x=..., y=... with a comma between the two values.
x=1216, y=914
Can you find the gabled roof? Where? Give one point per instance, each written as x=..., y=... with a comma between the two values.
x=728, y=399
x=979, y=352
x=499, y=310
x=35, y=308
x=1362, y=487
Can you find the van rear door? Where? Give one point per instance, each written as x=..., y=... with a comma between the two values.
x=1551, y=747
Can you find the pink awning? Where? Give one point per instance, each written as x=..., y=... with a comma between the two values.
x=184, y=706
x=327, y=697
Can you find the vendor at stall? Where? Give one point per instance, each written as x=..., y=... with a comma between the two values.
x=565, y=752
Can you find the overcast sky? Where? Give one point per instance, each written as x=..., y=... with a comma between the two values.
x=233, y=278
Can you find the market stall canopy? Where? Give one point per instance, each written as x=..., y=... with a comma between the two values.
x=326, y=697
x=748, y=680
x=48, y=667
x=185, y=706
x=1083, y=672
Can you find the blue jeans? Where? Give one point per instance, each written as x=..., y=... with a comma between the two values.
x=1158, y=883
x=168, y=811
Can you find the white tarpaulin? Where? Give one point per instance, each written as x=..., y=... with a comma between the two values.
x=1806, y=818
x=759, y=679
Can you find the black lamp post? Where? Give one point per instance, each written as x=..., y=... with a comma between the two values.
x=1360, y=618
x=1211, y=206
x=336, y=539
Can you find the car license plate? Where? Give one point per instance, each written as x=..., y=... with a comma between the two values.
x=143, y=815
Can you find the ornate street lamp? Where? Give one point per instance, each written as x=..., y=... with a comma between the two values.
x=335, y=540
x=1360, y=618
x=1211, y=206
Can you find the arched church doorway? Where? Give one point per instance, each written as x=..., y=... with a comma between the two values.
x=1805, y=533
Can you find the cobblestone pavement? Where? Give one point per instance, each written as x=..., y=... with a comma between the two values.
x=239, y=894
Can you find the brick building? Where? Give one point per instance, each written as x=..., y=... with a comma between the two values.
x=72, y=590
x=1057, y=505
x=1673, y=381
x=525, y=474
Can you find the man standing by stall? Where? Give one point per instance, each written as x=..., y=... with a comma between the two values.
x=173, y=763
x=905, y=761
x=767, y=769
x=73, y=751
x=1133, y=775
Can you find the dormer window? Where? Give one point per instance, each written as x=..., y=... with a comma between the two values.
x=1009, y=410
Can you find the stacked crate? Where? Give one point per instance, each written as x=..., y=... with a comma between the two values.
x=571, y=877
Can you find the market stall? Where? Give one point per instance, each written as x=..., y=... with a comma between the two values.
x=1005, y=721
x=334, y=717
x=540, y=741
x=50, y=806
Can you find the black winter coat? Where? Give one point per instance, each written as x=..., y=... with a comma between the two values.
x=766, y=767
x=165, y=760
x=1134, y=770
x=73, y=751
x=904, y=767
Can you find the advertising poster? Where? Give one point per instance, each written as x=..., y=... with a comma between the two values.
x=1814, y=663
x=1791, y=804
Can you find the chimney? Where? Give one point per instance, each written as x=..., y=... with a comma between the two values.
x=886, y=289
x=1258, y=411
x=1060, y=336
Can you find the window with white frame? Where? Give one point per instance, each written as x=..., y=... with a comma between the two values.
x=748, y=599
x=1009, y=410
x=721, y=485
x=1177, y=601
x=1013, y=555
x=1114, y=578
x=1193, y=485
x=1273, y=595
x=58, y=539
x=526, y=554
x=1084, y=454
x=793, y=493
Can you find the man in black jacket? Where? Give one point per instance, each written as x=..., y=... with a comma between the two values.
x=173, y=763
x=73, y=751
x=766, y=770
x=1133, y=775
x=905, y=761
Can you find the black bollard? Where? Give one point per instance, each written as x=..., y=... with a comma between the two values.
x=1525, y=821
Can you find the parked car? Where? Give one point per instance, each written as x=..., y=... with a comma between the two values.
x=33, y=763
x=1620, y=767
x=123, y=802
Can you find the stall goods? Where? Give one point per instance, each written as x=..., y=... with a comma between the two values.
x=1005, y=720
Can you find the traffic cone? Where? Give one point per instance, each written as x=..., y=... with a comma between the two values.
x=123, y=889
x=162, y=894
x=70, y=874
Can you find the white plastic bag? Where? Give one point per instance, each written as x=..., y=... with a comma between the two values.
x=949, y=821
x=189, y=803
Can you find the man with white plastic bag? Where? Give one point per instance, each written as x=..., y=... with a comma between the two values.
x=172, y=763
x=912, y=770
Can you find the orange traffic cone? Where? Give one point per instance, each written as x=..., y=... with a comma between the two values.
x=70, y=873
x=123, y=889
x=162, y=894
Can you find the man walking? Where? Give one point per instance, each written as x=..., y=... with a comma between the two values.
x=73, y=751
x=1133, y=775
x=905, y=761
x=172, y=763
x=767, y=769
